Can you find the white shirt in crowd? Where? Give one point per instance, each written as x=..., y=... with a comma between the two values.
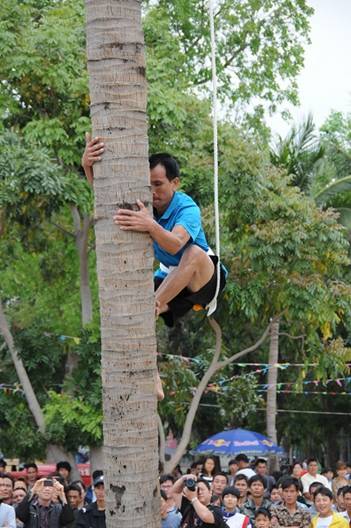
x=307, y=480
x=7, y=516
x=248, y=472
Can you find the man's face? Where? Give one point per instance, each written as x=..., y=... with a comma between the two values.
x=261, y=469
x=262, y=521
x=203, y=493
x=290, y=495
x=347, y=502
x=6, y=488
x=198, y=469
x=99, y=491
x=47, y=493
x=257, y=489
x=167, y=487
x=340, y=502
x=275, y=495
x=17, y=496
x=32, y=474
x=218, y=484
x=323, y=504
x=233, y=468
x=162, y=189
x=64, y=473
x=242, y=486
x=230, y=502
x=74, y=498
x=313, y=468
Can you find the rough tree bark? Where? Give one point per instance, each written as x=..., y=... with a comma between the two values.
x=272, y=378
x=116, y=65
x=214, y=367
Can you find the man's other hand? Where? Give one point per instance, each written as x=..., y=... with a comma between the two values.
x=128, y=220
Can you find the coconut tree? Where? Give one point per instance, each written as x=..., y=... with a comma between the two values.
x=116, y=66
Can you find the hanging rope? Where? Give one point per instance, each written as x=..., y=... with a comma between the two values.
x=213, y=304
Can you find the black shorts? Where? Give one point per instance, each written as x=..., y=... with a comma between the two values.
x=186, y=299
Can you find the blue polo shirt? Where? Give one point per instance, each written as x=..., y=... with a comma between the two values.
x=182, y=211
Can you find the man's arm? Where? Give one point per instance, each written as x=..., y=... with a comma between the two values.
x=142, y=221
x=94, y=149
x=201, y=510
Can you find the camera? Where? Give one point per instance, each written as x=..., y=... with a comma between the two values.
x=190, y=484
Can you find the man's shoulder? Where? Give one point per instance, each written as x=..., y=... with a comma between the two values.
x=6, y=507
x=184, y=200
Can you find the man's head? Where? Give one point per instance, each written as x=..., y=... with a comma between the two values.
x=6, y=487
x=74, y=496
x=290, y=491
x=99, y=488
x=313, y=488
x=233, y=467
x=241, y=483
x=196, y=468
x=3, y=465
x=220, y=481
x=31, y=472
x=242, y=460
x=256, y=486
x=46, y=490
x=312, y=466
x=63, y=469
x=327, y=473
x=204, y=492
x=230, y=498
x=262, y=518
x=261, y=467
x=323, y=500
x=275, y=494
x=166, y=484
x=164, y=179
x=339, y=499
x=347, y=499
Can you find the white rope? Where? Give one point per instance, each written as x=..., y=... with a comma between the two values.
x=213, y=304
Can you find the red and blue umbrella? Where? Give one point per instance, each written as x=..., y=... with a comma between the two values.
x=237, y=441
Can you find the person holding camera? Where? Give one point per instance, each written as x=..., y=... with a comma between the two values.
x=39, y=509
x=193, y=499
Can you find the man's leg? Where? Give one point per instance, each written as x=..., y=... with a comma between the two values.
x=195, y=269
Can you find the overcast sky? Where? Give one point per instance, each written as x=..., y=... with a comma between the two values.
x=325, y=82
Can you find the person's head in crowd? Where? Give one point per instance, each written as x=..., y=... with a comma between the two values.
x=163, y=505
x=341, y=469
x=312, y=466
x=3, y=465
x=327, y=473
x=262, y=518
x=296, y=470
x=74, y=496
x=196, y=468
x=209, y=466
x=177, y=472
x=166, y=484
x=261, y=467
x=233, y=467
x=18, y=496
x=241, y=483
x=20, y=482
x=230, y=498
x=45, y=490
x=323, y=501
x=64, y=469
x=83, y=489
x=312, y=489
x=242, y=461
x=31, y=473
x=290, y=491
x=99, y=490
x=275, y=494
x=6, y=488
x=204, y=493
x=216, y=500
x=347, y=499
x=219, y=482
x=339, y=499
x=256, y=487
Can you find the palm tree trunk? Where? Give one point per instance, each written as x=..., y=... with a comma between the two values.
x=271, y=411
x=116, y=65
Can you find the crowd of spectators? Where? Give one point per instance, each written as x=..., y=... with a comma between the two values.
x=246, y=496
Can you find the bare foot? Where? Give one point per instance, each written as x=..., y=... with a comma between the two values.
x=160, y=308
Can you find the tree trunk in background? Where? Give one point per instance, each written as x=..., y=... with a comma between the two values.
x=116, y=65
x=271, y=409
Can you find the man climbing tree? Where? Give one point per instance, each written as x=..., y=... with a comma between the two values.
x=187, y=275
